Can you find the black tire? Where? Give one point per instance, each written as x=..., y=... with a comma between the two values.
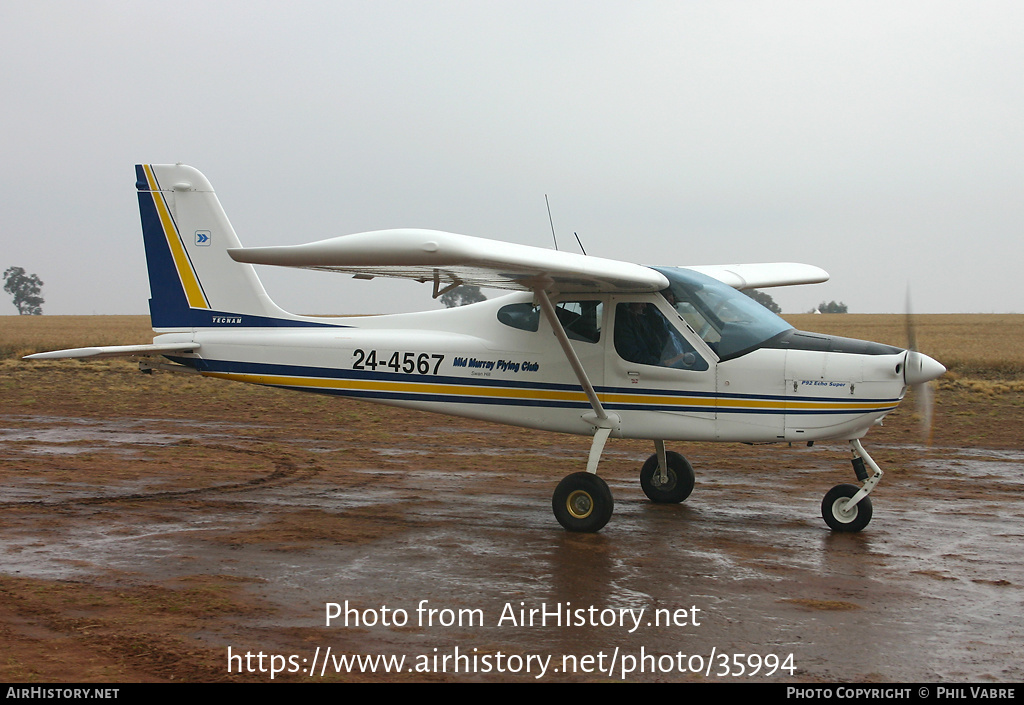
x=680, y=479
x=582, y=502
x=848, y=522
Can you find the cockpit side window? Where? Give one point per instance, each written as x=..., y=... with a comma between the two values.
x=643, y=335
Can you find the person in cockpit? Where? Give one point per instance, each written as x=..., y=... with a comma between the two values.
x=643, y=335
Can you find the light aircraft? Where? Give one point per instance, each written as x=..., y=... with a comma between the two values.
x=583, y=345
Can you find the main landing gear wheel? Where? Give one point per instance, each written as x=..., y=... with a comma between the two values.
x=582, y=502
x=680, y=479
x=837, y=519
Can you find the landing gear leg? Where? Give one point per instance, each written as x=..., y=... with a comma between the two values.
x=847, y=507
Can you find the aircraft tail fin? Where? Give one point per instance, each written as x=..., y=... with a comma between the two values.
x=193, y=281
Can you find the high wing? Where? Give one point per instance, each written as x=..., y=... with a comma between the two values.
x=449, y=260
x=763, y=275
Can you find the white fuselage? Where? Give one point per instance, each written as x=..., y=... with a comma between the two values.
x=466, y=362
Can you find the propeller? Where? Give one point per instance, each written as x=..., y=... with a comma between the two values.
x=918, y=372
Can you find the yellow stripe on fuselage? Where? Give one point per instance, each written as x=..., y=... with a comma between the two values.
x=416, y=387
x=187, y=276
x=470, y=390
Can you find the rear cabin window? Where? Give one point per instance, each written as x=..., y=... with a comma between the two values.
x=580, y=319
x=522, y=316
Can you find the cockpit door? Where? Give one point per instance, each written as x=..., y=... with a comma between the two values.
x=659, y=374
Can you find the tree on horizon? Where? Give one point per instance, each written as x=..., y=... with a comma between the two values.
x=25, y=289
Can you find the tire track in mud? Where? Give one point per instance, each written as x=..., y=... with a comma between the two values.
x=288, y=470
x=119, y=633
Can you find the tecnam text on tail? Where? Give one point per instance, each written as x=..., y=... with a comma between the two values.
x=583, y=345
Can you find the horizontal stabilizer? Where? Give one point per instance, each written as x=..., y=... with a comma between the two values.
x=763, y=275
x=114, y=351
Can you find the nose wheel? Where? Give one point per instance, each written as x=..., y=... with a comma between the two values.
x=847, y=508
x=838, y=513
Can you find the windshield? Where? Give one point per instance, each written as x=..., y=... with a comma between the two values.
x=729, y=321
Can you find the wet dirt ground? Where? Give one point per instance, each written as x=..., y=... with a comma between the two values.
x=147, y=524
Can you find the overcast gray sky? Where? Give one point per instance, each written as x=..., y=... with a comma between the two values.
x=882, y=141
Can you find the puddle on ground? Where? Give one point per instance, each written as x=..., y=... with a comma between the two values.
x=53, y=435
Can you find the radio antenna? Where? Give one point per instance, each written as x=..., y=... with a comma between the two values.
x=548, y=204
x=580, y=242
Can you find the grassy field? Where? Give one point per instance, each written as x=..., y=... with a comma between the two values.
x=24, y=335
x=976, y=346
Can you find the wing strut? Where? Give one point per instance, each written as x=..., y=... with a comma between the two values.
x=603, y=421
